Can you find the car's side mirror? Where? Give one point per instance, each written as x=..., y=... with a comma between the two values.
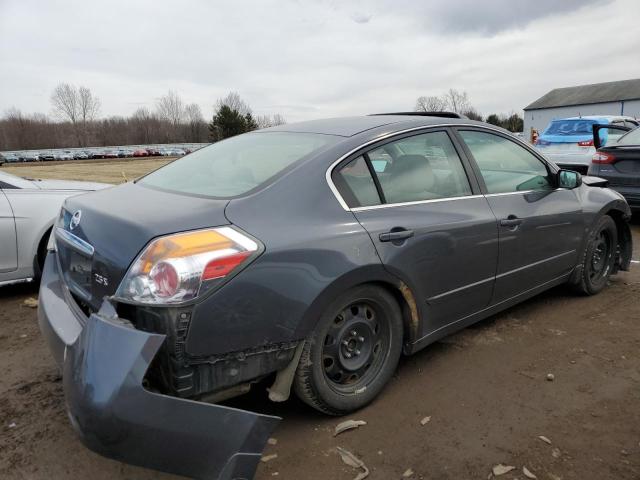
x=569, y=179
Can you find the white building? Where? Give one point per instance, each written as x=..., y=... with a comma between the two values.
x=610, y=98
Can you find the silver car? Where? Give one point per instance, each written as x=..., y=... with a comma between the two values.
x=28, y=209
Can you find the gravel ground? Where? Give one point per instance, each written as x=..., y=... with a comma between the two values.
x=485, y=389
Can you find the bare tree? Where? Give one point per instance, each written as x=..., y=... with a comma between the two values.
x=64, y=100
x=265, y=121
x=170, y=108
x=234, y=102
x=457, y=101
x=196, y=126
x=88, y=105
x=431, y=104
x=76, y=105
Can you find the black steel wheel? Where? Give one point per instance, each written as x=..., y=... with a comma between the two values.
x=599, y=257
x=352, y=353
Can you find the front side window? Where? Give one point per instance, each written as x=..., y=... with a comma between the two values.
x=237, y=165
x=506, y=166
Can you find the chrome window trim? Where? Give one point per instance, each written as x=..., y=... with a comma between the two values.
x=74, y=242
x=344, y=205
x=417, y=202
x=519, y=192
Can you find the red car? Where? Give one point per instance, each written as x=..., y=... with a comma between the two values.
x=140, y=153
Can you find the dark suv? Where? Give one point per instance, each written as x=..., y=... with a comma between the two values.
x=309, y=255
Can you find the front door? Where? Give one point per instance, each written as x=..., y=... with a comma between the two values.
x=8, y=245
x=540, y=226
x=428, y=222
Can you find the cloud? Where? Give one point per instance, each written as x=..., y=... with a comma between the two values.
x=308, y=59
x=495, y=16
x=360, y=17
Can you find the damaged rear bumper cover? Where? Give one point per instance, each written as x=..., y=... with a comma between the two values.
x=104, y=360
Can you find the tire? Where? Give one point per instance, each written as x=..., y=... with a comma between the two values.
x=598, y=257
x=352, y=353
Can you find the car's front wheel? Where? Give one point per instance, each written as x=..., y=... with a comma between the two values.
x=599, y=257
x=352, y=353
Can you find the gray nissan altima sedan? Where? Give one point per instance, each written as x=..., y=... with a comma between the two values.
x=310, y=255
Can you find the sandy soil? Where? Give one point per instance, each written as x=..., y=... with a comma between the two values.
x=484, y=388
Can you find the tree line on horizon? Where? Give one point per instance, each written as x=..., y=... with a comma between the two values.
x=458, y=102
x=75, y=122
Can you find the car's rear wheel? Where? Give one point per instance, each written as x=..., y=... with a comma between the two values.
x=352, y=353
x=599, y=257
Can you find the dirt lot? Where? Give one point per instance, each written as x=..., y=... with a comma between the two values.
x=109, y=171
x=485, y=389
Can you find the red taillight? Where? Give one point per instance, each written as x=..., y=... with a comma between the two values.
x=602, y=157
x=586, y=143
x=221, y=267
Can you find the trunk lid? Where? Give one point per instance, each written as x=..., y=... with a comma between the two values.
x=96, y=247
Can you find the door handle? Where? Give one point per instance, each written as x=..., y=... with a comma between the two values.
x=395, y=235
x=510, y=221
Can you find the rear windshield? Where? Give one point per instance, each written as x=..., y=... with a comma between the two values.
x=237, y=165
x=570, y=127
x=630, y=138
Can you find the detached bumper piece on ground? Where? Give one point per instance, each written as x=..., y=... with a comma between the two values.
x=104, y=360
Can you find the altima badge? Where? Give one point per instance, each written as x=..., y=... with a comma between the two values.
x=75, y=219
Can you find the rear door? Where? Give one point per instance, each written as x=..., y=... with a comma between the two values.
x=421, y=204
x=8, y=242
x=540, y=226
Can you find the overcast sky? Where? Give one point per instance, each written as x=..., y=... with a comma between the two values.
x=312, y=59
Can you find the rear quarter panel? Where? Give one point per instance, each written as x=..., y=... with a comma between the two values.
x=314, y=250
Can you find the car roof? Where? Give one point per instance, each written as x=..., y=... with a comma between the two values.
x=350, y=126
x=595, y=117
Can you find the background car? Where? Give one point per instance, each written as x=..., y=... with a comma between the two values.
x=32, y=157
x=140, y=153
x=569, y=141
x=110, y=154
x=617, y=160
x=10, y=158
x=47, y=157
x=28, y=209
x=80, y=155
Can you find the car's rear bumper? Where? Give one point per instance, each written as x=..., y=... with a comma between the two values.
x=104, y=360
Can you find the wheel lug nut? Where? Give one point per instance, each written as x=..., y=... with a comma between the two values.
x=361, y=339
x=347, y=355
x=345, y=343
x=357, y=352
x=354, y=333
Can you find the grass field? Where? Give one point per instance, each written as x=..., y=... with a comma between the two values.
x=108, y=171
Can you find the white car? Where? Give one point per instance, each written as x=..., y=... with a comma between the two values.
x=28, y=209
x=568, y=142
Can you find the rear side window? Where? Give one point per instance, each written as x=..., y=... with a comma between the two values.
x=237, y=165
x=630, y=138
x=570, y=127
x=506, y=166
x=357, y=185
x=422, y=167
x=412, y=169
